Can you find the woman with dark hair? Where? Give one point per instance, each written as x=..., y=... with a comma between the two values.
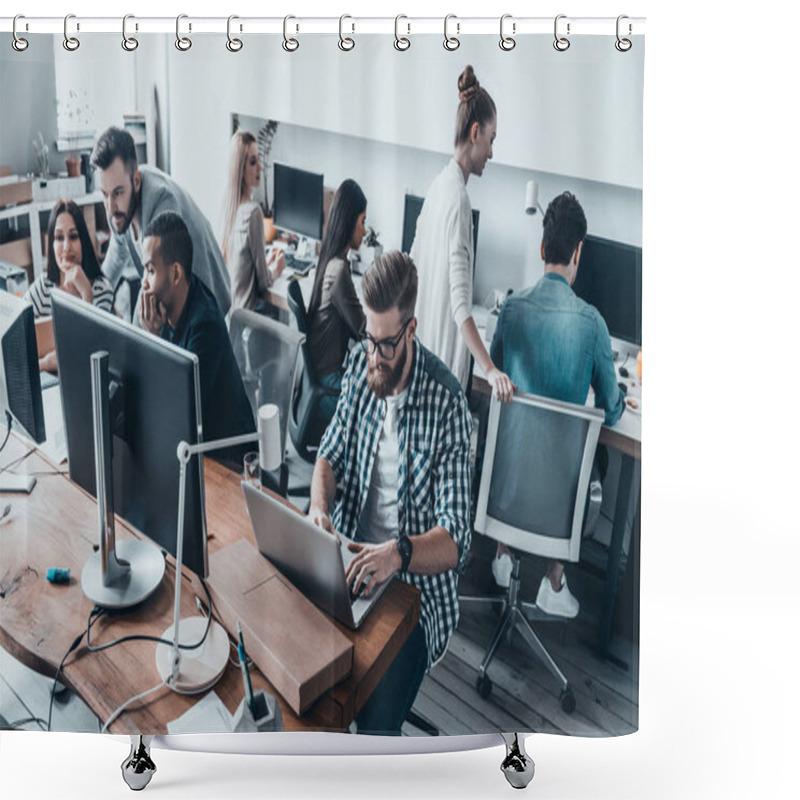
x=71, y=266
x=334, y=312
x=443, y=250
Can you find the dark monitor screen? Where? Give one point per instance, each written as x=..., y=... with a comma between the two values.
x=298, y=201
x=610, y=279
x=20, y=384
x=154, y=403
x=411, y=211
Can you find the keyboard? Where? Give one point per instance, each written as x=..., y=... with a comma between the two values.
x=298, y=265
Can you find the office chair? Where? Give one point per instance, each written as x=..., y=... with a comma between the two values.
x=267, y=353
x=305, y=426
x=533, y=491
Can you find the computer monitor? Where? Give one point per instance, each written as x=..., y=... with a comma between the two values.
x=152, y=396
x=297, y=205
x=610, y=278
x=412, y=209
x=20, y=384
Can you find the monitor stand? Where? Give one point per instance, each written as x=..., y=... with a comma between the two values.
x=124, y=574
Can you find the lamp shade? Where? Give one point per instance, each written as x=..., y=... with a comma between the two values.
x=269, y=432
x=531, y=197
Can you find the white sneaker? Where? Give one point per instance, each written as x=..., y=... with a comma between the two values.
x=502, y=568
x=561, y=603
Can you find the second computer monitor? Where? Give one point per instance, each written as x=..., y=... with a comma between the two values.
x=610, y=279
x=298, y=201
x=20, y=384
x=411, y=211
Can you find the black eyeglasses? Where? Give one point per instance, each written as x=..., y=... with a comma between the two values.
x=386, y=347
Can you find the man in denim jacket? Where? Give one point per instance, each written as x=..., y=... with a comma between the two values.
x=552, y=343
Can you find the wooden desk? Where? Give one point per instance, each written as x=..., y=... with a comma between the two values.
x=56, y=525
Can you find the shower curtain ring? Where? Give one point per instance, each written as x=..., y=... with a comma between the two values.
x=346, y=43
x=289, y=44
x=561, y=43
x=623, y=45
x=183, y=43
x=233, y=44
x=507, y=42
x=129, y=43
x=451, y=42
x=71, y=43
x=18, y=43
x=401, y=42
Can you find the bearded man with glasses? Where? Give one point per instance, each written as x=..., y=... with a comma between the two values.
x=398, y=449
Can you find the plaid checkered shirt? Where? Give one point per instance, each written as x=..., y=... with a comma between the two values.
x=434, y=428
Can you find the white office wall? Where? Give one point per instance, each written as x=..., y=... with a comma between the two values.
x=27, y=107
x=101, y=74
x=355, y=115
x=508, y=239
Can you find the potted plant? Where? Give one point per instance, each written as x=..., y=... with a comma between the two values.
x=371, y=248
x=42, y=155
x=266, y=133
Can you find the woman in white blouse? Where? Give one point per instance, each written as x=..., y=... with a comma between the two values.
x=442, y=248
x=243, y=232
x=71, y=267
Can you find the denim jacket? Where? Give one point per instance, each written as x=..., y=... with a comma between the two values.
x=552, y=343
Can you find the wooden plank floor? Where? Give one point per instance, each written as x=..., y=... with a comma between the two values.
x=525, y=696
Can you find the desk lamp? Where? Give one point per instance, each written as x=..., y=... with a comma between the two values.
x=197, y=670
x=532, y=198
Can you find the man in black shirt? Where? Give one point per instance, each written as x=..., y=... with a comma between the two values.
x=177, y=305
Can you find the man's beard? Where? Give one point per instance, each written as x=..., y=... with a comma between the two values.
x=383, y=379
x=128, y=218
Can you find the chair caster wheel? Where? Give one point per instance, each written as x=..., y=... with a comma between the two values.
x=518, y=766
x=567, y=701
x=138, y=768
x=484, y=686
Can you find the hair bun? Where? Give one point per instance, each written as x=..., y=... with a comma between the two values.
x=468, y=84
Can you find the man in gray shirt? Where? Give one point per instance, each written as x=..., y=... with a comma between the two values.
x=133, y=196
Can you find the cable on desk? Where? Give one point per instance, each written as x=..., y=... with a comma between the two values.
x=18, y=460
x=17, y=722
x=96, y=648
x=74, y=646
x=128, y=702
x=8, y=432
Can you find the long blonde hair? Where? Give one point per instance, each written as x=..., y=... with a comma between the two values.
x=235, y=189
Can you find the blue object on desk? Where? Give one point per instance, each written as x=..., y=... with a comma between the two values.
x=58, y=574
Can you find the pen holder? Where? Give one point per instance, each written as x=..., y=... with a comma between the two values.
x=267, y=716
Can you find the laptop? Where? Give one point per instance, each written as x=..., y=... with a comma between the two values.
x=309, y=557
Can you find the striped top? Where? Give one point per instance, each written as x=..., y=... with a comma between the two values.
x=39, y=295
x=433, y=482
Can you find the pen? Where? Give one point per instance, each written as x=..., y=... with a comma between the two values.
x=248, y=686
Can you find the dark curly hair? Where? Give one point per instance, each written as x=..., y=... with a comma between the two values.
x=564, y=228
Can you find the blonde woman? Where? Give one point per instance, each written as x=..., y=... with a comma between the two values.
x=251, y=271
